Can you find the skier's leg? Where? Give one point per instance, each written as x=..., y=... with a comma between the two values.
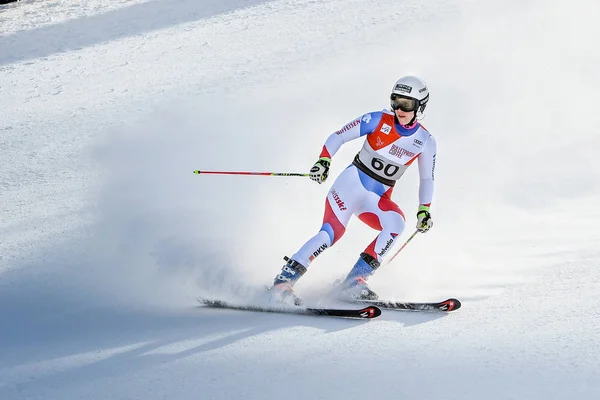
x=382, y=214
x=344, y=197
x=335, y=220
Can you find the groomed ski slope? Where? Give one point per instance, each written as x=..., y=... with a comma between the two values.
x=106, y=236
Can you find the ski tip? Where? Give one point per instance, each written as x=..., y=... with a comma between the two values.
x=449, y=305
x=208, y=302
x=370, y=312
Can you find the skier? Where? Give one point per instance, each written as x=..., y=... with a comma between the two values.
x=394, y=139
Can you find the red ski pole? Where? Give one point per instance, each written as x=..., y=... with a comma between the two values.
x=199, y=172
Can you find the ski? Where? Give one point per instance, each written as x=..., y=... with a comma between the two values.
x=368, y=312
x=444, y=306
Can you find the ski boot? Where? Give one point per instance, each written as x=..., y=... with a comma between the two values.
x=282, y=290
x=355, y=287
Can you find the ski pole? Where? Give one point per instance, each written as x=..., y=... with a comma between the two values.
x=198, y=172
x=404, y=245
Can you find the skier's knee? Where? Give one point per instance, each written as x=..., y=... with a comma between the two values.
x=334, y=232
x=394, y=227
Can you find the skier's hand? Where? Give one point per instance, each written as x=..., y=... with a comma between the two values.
x=424, y=221
x=320, y=170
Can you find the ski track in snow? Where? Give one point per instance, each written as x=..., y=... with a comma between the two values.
x=106, y=236
x=35, y=14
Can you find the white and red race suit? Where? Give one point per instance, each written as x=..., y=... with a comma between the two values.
x=365, y=187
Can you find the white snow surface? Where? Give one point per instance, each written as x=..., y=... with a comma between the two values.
x=106, y=236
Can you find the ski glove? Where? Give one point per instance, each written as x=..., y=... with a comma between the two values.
x=320, y=170
x=424, y=222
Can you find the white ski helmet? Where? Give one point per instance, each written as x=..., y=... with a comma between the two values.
x=410, y=93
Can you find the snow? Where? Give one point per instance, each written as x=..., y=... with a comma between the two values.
x=106, y=236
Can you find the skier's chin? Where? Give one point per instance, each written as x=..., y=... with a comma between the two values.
x=404, y=120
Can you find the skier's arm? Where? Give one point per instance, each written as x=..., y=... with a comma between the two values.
x=426, y=162
x=361, y=126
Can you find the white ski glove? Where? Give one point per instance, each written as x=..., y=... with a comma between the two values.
x=424, y=222
x=320, y=170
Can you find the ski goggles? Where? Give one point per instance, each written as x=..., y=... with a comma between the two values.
x=403, y=103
